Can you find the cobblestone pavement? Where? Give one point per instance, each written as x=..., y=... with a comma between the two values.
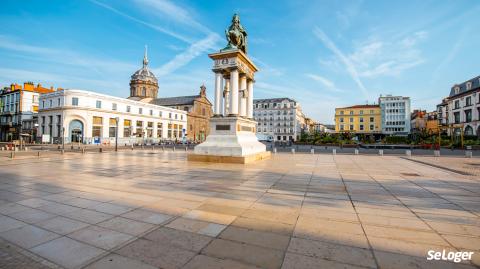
x=153, y=209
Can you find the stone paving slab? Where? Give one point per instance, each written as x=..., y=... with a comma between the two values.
x=141, y=210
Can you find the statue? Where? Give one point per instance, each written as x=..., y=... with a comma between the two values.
x=236, y=35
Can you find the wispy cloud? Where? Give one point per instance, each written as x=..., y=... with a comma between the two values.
x=65, y=57
x=352, y=71
x=188, y=55
x=150, y=25
x=172, y=11
x=328, y=84
x=387, y=57
x=451, y=54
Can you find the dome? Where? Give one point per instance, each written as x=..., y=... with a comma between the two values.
x=144, y=73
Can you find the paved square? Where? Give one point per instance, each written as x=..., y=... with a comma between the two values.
x=153, y=209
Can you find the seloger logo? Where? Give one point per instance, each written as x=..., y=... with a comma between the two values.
x=455, y=256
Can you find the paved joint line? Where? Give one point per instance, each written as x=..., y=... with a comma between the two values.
x=439, y=166
x=356, y=213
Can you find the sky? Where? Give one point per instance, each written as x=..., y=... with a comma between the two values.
x=324, y=54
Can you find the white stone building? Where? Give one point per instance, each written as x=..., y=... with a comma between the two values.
x=281, y=118
x=395, y=114
x=461, y=109
x=91, y=118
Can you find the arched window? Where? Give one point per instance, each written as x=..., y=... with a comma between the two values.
x=144, y=91
x=468, y=130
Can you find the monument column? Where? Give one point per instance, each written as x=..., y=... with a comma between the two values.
x=242, y=100
x=226, y=97
x=233, y=92
x=218, y=89
x=250, y=99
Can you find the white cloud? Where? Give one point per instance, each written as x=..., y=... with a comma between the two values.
x=173, y=12
x=188, y=55
x=150, y=25
x=351, y=69
x=327, y=83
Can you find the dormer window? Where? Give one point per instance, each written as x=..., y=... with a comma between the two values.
x=457, y=90
x=469, y=86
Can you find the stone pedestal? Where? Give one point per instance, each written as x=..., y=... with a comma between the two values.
x=232, y=136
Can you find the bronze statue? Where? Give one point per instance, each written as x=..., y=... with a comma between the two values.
x=236, y=35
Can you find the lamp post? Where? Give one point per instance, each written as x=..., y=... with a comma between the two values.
x=116, y=133
x=63, y=138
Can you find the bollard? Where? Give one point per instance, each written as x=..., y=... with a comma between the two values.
x=186, y=148
x=12, y=154
x=38, y=154
x=293, y=151
x=408, y=153
x=163, y=148
x=380, y=152
x=83, y=150
x=62, y=151
x=132, y=146
x=468, y=154
x=173, y=148
x=275, y=150
x=312, y=151
x=153, y=147
x=100, y=150
x=436, y=153
x=356, y=151
x=334, y=151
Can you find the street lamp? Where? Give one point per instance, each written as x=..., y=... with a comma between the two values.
x=116, y=133
x=63, y=138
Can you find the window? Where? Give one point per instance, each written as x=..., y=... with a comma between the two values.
x=58, y=102
x=114, y=106
x=159, y=130
x=468, y=115
x=371, y=111
x=127, y=128
x=43, y=104
x=468, y=101
x=341, y=112
x=140, y=110
x=372, y=119
x=456, y=117
x=457, y=90
x=112, y=130
x=128, y=108
x=169, y=115
x=99, y=104
x=149, y=129
x=469, y=85
x=361, y=112
x=361, y=119
x=50, y=103
x=160, y=114
x=97, y=126
x=351, y=112
x=151, y=112
x=139, y=130
x=371, y=127
x=341, y=119
x=351, y=119
x=361, y=127
x=457, y=104
x=351, y=127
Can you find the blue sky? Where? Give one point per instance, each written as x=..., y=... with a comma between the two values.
x=325, y=54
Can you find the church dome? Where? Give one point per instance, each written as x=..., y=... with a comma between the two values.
x=144, y=73
x=143, y=83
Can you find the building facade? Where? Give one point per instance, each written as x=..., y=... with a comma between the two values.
x=18, y=111
x=395, y=111
x=359, y=119
x=460, y=111
x=199, y=111
x=281, y=118
x=91, y=118
x=418, y=121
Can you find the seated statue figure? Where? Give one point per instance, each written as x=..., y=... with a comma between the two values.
x=236, y=35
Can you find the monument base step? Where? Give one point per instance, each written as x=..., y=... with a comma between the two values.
x=229, y=159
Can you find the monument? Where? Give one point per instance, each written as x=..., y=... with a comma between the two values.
x=232, y=136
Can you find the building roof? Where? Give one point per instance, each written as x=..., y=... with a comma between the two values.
x=175, y=101
x=360, y=106
x=463, y=86
x=273, y=100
